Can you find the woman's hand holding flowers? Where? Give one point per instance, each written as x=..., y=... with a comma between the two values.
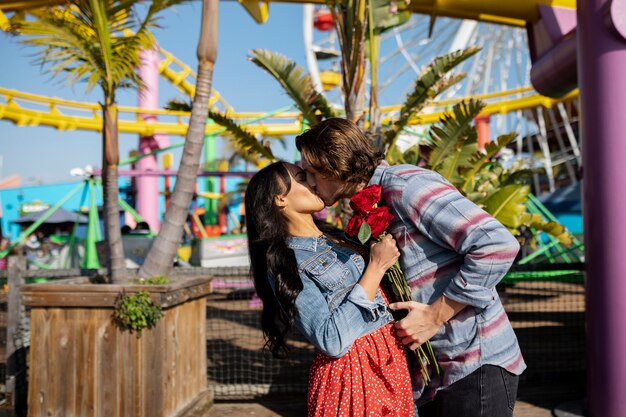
x=384, y=253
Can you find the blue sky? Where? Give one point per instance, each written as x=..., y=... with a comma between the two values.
x=45, y=155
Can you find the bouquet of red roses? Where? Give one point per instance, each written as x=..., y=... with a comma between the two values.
x=370, y=221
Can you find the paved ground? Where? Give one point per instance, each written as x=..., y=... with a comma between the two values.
x=540, y=401
x=293, y=408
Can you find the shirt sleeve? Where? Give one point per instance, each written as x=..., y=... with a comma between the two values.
x=333, y=331
x=442, y=214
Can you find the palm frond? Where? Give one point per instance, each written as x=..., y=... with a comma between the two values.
x=508, y=205
x=178, y=105
x=103, y=39
x=453, y=131
x=242, y=138
x=388, y=14
x=457, y=161
x=410, y=156
x=297, y=85
x=488, y=180
x=521, y=176
x=550, y=227
x=431, y=83
x=479, y=158
x=93, y=41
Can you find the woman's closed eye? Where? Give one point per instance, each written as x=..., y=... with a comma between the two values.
x=301, y=176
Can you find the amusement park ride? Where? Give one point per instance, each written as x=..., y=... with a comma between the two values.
x=498, y=75
x=546, y=43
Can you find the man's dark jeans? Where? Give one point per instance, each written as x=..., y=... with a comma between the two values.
x=490, y=391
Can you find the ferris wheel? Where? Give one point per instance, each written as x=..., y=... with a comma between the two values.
x=500, y=71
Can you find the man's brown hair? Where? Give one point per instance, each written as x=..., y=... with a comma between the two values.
x=338, y=149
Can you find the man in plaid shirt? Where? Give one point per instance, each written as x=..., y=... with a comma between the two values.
x=453, y=255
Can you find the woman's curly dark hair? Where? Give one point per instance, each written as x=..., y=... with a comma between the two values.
x=269, y=254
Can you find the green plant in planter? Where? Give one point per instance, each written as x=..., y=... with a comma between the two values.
x=158, y=280
x=135, y=312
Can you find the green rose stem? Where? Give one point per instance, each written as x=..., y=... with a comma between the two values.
x=403, y=293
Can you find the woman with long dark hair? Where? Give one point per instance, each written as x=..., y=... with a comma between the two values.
x=328, y=289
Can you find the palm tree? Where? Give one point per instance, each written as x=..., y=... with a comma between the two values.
x=98, y=41
x=452, y=151
x=161, y=256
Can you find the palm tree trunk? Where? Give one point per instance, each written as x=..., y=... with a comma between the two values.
x=351, y=26
x=110, y=158
x=160, y=259
x=355, y=102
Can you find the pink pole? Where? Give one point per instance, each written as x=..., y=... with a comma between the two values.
x=482, y=129
x=147, y=186
x=602, y=82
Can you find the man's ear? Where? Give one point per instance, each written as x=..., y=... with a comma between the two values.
x=280, y=201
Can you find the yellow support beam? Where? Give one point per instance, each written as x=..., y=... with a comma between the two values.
x=450, y=102
x=20, y=5
x=514, y=13
x=15, y=109
x=502, y=107
x=259, y=10
x=27, y=117
x=4, y=22
x=511, y=12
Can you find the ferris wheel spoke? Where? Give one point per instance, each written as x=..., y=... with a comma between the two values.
x=562, y=148
x=570, y=132
x=418, y=63
x=502, y=64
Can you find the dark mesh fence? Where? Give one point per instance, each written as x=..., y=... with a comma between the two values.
x=546, y=309
x=238, y=366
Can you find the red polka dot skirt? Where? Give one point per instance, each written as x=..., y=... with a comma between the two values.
x=371, y=379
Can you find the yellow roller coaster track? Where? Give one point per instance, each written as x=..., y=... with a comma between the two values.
x=26, y=109
x=47, y=111
x=185, y=79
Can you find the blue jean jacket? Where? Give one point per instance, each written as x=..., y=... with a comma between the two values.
x=332, y=311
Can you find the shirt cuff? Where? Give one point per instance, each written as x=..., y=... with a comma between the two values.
x=372, y=310
x=465, y=293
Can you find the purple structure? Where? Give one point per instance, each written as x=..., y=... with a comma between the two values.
x=147, y=204
x=552, y=46
x=602, y=83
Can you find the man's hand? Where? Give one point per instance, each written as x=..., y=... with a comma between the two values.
x=423, y=320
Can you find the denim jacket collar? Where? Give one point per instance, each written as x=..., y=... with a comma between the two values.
x=308, y=243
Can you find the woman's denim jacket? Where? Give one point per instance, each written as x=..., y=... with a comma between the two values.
x=332, y=311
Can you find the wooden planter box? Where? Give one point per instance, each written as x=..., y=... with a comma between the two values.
x=81, y=364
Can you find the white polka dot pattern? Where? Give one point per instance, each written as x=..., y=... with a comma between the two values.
x=371, y=379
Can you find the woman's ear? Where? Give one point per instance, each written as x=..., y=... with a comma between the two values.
x=280, y=201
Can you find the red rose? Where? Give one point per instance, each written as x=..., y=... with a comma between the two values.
x=363, y=201
x=379, y=219
x=352, y=229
